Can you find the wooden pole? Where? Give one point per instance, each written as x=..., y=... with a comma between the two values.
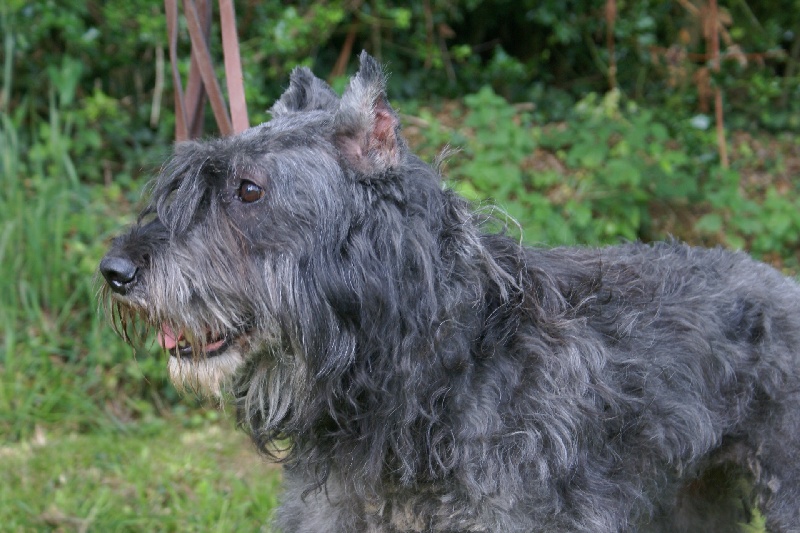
x=714, y=45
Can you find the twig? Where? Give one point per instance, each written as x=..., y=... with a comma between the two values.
x=158, y=89
x=200, y=46
x=791, y=69
x=233, y=66
x=344, y=56
x=426, y=9
x=611, y=17
x=181, y=120
x=195, y=92
x=714, y=45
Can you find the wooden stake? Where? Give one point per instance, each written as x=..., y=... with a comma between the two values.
x=713, y=38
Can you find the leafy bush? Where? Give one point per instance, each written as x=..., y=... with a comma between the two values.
x=766, y=223
x=590, y=180
x=609, y=173
x=444, y=47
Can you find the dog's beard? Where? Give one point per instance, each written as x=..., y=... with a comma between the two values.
x=208, y=376
x=201, y=362
x=206, y=364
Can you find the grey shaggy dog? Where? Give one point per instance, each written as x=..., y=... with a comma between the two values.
x=430, y=376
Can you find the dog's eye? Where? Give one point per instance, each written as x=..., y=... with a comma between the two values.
x=248, y=192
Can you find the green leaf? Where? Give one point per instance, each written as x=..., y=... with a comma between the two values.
x=621, y=172
x=467, y=190
x=589, y=155
x=710, y=223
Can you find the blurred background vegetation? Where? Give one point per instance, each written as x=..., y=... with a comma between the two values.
x=587, y=126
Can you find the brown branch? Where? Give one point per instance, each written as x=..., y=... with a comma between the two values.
x=195, y=92
x=206, y=68
x=158, y=89
x=426, y=9
x=181, y=121
x=233, y=66
x=340, y=67
x=723, y=56
x=718, y=111
x=688, y=6
x=446, y=31
x=611, y=17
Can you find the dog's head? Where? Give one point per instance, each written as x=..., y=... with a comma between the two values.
x=284, y=239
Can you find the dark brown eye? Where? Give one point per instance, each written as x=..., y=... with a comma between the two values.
x=248, y=192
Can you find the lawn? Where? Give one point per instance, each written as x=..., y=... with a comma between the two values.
x=152, y=476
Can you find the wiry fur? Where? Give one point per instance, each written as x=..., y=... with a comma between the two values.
x=432, y=377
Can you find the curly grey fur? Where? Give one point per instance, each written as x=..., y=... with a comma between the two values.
x=432, y=377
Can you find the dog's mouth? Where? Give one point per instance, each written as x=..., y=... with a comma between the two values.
x=179, y=345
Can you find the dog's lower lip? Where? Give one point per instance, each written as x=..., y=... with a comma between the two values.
x=211, y=350
x=176, y=344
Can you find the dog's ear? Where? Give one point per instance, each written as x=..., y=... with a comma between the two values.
x=367, y=130
x=306, y=92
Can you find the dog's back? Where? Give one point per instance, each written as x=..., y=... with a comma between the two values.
x=635, y=388
x=681, y=365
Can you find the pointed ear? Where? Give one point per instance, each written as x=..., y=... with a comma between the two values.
x=306, y=92
x=367, y=130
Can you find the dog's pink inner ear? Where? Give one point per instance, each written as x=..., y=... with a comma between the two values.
x=383, y=141
x=370, y=143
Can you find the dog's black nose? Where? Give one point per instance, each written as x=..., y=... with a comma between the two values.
x=120, y=273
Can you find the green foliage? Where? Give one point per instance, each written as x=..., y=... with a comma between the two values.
x=548, y=52
x=767, y=100
x=85, y=61
x=60, y=362
x=591, y=180
x=598, y=177
x=767, y=224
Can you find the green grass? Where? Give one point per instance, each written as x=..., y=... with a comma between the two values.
x=59, y=363
x=153, y=477
x=91, y=437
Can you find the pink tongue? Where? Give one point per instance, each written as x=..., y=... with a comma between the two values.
x=167, y=338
